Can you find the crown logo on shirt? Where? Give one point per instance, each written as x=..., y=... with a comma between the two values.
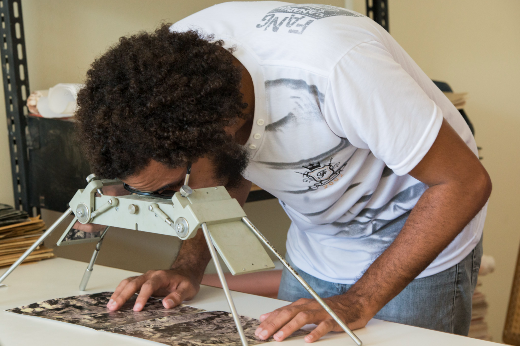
x=322, y=175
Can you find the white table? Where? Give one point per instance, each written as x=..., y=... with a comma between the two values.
x=60, y=278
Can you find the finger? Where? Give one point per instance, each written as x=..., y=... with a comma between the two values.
x=302, y=318
x=300, y=301
x=119, y=289
x=121, y=286
x=276, y=320
x=147, y=289
x=184, y=291
x=127, y=292
x=264, y=316
x=172, y=300
x=322, y=329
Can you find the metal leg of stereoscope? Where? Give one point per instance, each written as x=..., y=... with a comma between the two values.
x=90, y=267
x=266, y=242
x=302, y=281
x=223, y=281
x=225, y=287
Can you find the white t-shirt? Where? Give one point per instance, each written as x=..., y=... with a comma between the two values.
x=342, y=114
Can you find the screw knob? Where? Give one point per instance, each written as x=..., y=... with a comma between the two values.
x=133, y=209
x=185, y=191
x=83, y=213
x=91, y=177
x=181, y=226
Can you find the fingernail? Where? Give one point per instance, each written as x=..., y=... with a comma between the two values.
x=279, y=335
x=138, y=307
x=169, y=303
x=263, y=334
x=258, y=331
x=309, y=338
x=111, y=302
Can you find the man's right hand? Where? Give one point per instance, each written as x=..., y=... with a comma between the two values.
x=182, y=281
x=174, y=286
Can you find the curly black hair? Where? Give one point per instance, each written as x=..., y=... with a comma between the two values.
x=163, y=96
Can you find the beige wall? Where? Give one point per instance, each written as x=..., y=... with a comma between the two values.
x=472, y=44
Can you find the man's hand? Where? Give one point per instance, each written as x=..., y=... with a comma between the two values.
x=182, y=281
x=290, y=318
x=172, y=284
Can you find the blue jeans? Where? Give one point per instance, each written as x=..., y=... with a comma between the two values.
x=440, y=302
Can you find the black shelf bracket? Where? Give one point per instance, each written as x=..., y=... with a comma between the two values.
x=16, y=91
x=378, y=11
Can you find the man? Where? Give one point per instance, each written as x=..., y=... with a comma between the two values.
x=322, y=108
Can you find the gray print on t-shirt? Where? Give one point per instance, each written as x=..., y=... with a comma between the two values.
x=316, y=11
x=384, y=236
x=367, y=222
x=298, y=113
x=386, y=173
x=299, y=107
x=307, y=100
x=298, y=17
x=299, y=164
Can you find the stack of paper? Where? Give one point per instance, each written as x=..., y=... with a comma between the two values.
x=9, y=215
x=16, y=238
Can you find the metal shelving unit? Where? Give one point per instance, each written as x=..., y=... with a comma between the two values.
x=16, y=90
x=378, y=11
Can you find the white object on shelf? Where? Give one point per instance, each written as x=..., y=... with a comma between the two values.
x=45, y=111
x=58, y=102
x=62, y=98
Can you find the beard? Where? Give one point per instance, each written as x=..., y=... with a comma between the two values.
x=230, y=162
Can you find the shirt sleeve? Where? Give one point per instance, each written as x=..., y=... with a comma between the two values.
x=374, y=103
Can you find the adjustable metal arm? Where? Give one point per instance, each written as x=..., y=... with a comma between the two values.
x=303, y=282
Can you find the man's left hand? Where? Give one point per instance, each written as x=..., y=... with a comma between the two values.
x=284, y=321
